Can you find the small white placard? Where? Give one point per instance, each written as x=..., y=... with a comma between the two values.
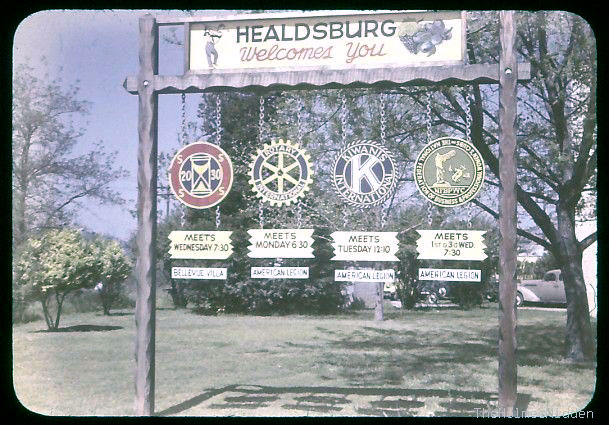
x=457, y=275
x=280, y=272
x=364, y=275
x=365, y=246
x=451, y=245
x=198, y=273
x=281, y=243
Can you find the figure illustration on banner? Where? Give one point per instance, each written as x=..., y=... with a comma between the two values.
x=211, y=37
x=440, y=160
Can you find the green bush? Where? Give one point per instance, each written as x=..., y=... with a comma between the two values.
x=264, y=297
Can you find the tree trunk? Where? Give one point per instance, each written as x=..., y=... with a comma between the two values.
x=59, y=304
x=45, y=311
x=579, y=339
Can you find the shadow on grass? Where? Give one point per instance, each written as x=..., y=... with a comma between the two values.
x=379, y=401
x=81, y=328
x=117, y=314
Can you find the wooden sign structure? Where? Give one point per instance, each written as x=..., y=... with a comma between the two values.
x=148, y=84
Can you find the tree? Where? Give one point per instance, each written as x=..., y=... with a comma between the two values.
x=53, y=264
x=556, y=141
x=113, y=269
x=49, y=180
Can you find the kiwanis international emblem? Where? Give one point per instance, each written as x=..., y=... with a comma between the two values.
x=280, y=172
x=449, y=172
x=201, y=175
x=364, y=174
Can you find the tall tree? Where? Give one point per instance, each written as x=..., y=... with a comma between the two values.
x=50, y=181
x=556, y=146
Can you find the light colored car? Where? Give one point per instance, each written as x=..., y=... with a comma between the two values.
x=550, y=289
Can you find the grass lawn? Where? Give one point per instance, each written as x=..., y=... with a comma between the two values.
x=426, y=362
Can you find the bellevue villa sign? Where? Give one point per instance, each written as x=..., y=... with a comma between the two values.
x=305, y=50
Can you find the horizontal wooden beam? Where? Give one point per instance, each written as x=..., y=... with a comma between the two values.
x=283, y=80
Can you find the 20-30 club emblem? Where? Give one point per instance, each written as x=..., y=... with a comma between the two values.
x=201, y=175
x=449, y=172
x=364, y=174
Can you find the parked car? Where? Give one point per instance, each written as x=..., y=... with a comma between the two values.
x=550, y=289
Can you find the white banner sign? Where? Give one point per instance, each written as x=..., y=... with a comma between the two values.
x=280, y=272
x=356, y=40
x=365, y=246
x=281, y=243
x=451, y=245
x=364, y=275
x=200, y=245
x=457, y=275
x=218, y=273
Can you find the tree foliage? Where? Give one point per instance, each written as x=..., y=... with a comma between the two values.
x=113, y=268
x=51, y=175
x=53, y=264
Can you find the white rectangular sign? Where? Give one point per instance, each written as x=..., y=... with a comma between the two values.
x=218, y=273
x=451, y=245
x=457, y=275
x=281, y=243
x=365, y=246
x=364, y=275
x=356, y=40
x=200, y=244
x=280, y=272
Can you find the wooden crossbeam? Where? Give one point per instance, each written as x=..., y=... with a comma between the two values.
x=305, y=79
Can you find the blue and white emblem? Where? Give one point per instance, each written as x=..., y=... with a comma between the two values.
x=364, y=174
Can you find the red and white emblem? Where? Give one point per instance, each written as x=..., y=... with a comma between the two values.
x=201, y=175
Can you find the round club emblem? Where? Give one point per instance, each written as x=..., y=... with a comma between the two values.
x=364, y=174
x=449, y=172
x=201, y=175
x=280, y=172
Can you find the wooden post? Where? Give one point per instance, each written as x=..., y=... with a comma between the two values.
x=146, y=219
x=378, y=307
x=507, y=214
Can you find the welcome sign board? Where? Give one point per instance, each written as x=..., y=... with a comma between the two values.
x=350, y=40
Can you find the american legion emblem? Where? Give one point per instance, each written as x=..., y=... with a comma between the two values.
x=449, y=172
x=201, y=175
x=364, y=174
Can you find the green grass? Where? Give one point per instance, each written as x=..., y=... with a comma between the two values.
x=426, y=362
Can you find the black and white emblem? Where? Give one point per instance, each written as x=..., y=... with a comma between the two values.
x=364, y=174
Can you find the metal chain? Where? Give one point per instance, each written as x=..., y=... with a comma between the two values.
x=343, y=118
x=261, y=214
x=384, y=214
x=261, y=121
x=218, y=119
x=299, y=131
x=428, y=116
x=299, y=214
x=345, y=218
x=383, y=120
x=183, y=136
x=429, y=214
x=468, y=117
x=469, y=216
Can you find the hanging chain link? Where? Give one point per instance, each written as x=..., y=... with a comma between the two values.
x=345, y=218
x=428, y=116
x=261, y=214
x=383, y=119
x=468, y=117
x=429, y=214
x=469, y=215
x=384, y=214
x=299, y=130
x=218, y=119
x=299, y=214
x=183, y=136
x=343, y=118
x=261, y=121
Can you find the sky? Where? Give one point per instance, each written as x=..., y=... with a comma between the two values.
x=100, y=49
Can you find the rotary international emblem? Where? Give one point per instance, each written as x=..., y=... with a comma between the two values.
x=280, y=172
x=449, y=172
x=364, y=174
x=201, y=175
